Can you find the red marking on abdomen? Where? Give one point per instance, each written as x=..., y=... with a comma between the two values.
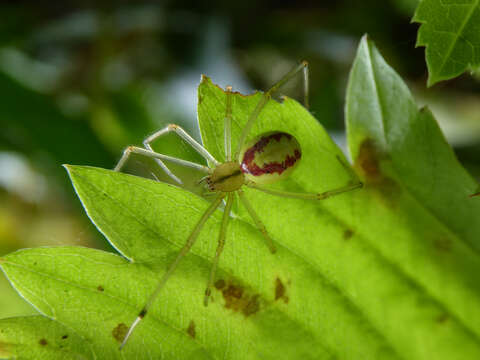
x=249, y=167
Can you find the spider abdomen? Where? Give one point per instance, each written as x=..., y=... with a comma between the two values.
x=270, y=157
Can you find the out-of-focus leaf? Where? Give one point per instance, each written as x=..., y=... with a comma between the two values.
x=33, y=124
x=382, y=117
x=450, y=31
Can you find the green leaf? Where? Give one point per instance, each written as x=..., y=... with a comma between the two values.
x=383, y=118
x=379, y=273
x=37, y=337
x=450, y=31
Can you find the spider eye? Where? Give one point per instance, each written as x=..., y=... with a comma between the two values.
x=270, y=157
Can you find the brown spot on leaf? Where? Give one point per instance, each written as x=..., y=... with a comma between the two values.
x=368, y=165
x=474, y=195
x=43, y=342
x=232, y=294
x=119, y=332
x=220, y=284
x=442, y=318
x=253, y=305
x=100, y=288
x=443, y=244
x=64, y=337
x=7, y=349
x=200, y=99
x=239, y=300
x=367, y=160
x=280, y=291
x=191, y=329
x=347, y=234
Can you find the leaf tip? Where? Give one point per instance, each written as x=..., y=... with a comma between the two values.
x=431, y=80
x=205, y=79
x=70, y=168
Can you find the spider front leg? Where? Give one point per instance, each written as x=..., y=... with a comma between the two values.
x=159, y=157
x=186, y=248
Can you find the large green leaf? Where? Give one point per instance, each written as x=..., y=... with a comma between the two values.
x=380, y=273
x=37, y=337
x=450, y=32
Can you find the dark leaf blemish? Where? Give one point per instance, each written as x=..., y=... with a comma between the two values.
x=367, y=161
x=64, y=337
x=280, y=291
x=100, y=288
x=252, y=306
x=43, y=342
x=347, y=234
x=442, y=318
x=443, y=244
x=119, y=332
x=219, y=284
x=238, y=300
x=191, y=329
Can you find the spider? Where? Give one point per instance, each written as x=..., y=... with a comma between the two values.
x=264, y=159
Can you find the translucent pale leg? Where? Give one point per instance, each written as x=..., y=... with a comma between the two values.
x=221, y=244
x=184, y=135
x=180, y=132
x=228, y=125
x=307, y=196
x=186, y=248
x=157, y=156
x=306, y=86
x=266, y=96
x=257, y=221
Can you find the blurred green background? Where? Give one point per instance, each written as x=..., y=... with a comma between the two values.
x=80, y=80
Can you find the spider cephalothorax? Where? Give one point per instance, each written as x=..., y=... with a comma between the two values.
x=226, y=177
x=266, y=158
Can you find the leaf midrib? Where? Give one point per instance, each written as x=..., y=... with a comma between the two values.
x=457, y=35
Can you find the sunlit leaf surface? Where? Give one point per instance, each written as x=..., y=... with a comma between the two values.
x=37, y=337
x=386, y=272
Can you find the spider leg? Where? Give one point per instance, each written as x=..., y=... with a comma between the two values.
x=154, y=155
x=228, y=125
x=266, y=97
x=307, y=196
x=221, y=244
x=180, y=132
x=257, y=221
x=186, y=248
x=185, y=136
